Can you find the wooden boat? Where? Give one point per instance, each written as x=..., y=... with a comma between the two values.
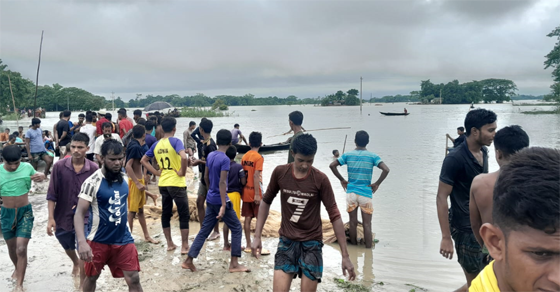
x=394, y=114
x=264, y=148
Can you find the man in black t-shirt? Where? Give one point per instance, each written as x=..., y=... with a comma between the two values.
x=457, y=173
x=63, y=131
x=208, y=146
x=457, y=141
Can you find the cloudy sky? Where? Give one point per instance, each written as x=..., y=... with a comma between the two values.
x=305, y=48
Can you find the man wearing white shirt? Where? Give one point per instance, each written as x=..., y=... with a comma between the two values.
x=89, y=130
x=107, y=129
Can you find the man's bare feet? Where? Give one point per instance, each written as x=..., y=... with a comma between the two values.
x=151, y=240
x=238, y=269
x=19, y=288
x=171, y=247
x=188, y=266
x=227, y=247
x=185, y=249
x=215, y=235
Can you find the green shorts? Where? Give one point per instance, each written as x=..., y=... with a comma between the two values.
x=17, y=222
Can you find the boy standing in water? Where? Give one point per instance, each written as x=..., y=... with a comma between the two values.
x=236, y=182
x=16, y=214
x=359, y=189
x=218, y=206
x=252, y=163
x=295, y=121
x=302, y=188
x=67, y=177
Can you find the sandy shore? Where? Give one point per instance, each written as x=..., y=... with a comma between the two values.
x=49, y=268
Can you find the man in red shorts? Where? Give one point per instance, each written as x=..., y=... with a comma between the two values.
x=109, y=241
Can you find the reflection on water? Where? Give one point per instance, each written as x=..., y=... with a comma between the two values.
x=405, y=217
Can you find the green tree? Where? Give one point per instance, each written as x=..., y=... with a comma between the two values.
x=351, y=100
x=498, y=90
x=553, y=60
x=353, y=92
x=340, y=95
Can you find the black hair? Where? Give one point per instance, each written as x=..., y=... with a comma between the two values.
x=111, y=146
x=141, y=121
x=66, y=113
x=223, y=137
x=108, y=116
x=88, y=112
x=107, y=125
x=477, y=118
x=255, y=139
x=149, y=125
x=304, y=144
x=122, y=112
x=334, y=152
x=11, y=153
x=159, y=120
x=462, y=129
x=231, y=152
x=296, y=117
x=20, y=127
x=168, y=124
x=60, y=115
x=35, y=121
x=7, y=129
x=527, y=192
x=154, y=119
x=93, y=113
x=138, y=131
x=137, y=112
x=89, y=118
x=191, y=123
x=81, y=137
x=236, y=125
x=510, y=139
x=206, y=125
x=81, y=116
x=15, y=133
x=362, y=139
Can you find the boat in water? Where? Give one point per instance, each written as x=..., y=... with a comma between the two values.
x=394, y=114
x=264, y=148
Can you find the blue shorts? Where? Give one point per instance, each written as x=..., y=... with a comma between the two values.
x=68, y=239
x=300, y=257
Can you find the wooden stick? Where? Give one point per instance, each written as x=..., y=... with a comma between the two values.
x=37, y=79
x=13, y=100
x=324, y=129
x=446, y=143
x=344, y=148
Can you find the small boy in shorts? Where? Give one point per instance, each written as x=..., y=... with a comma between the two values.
x=236, y=181
x=252, y=163
x=16, y=214
x=359, y=189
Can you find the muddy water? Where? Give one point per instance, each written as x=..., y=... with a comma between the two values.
x=404, y=220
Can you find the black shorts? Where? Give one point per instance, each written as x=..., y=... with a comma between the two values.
x=469, y=252
x=300, y=257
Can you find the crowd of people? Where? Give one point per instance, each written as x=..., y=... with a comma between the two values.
x=504, y=226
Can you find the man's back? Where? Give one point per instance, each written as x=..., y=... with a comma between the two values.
x=251, y=162
x=61, y=127
x=216, y=163
x=166, y=152
x=235, y=174
x=481, y=200
x=89, y=130
x=124, y=126
x=360, y=170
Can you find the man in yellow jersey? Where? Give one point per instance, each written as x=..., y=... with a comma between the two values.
x=524, y=238
x=169, y=153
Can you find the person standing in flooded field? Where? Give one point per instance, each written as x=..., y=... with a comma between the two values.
x=507, y=142
x=67, y=177
x=169, y=153
x=218, y=206
x=457, y=173
x=358, y=187
x=136, y=185
x=302, y=189
x=524, y=238
x=295, y=121
x=109, y=242
x=16, y=214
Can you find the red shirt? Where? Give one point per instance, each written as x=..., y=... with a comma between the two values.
x=124, y=126
x=99, y=125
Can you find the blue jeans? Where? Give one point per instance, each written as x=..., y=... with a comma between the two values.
x=210, y=220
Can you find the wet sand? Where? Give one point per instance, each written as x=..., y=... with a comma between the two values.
x=49, y=268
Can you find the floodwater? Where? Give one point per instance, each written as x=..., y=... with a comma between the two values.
x=405, y=216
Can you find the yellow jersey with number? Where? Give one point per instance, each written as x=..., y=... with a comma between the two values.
x=166, y=153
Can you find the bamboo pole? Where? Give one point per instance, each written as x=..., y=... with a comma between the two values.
x=13, y=100
x=446, y=147
x=37, y=79
x=324, y=129
x=344, y=148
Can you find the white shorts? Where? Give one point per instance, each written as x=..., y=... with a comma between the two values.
x=354, y=201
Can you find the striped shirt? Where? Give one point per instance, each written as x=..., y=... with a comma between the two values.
x=360, y=165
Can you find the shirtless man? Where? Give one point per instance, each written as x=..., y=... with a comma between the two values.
x=15, y=182
x=507, y=142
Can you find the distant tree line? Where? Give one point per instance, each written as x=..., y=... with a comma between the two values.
x=553, y=61
x=341, y=98
x=487, y=90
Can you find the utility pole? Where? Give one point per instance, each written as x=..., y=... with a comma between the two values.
x=113, y=97
x=67, y=102
x=361, y=94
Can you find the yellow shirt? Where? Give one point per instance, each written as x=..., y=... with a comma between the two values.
x=166, y=153
x=485, y=281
